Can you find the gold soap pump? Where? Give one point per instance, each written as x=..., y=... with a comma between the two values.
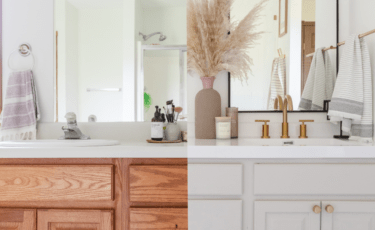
x=265, y=129
x=303, y=128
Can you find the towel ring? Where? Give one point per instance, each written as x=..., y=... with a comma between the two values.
x=24, y=50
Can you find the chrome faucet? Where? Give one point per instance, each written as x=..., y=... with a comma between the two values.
x=285, y=127
x=72, y=131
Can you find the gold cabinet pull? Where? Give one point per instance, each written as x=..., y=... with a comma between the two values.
x=329, y=209
x=303, y=129
x=317, y=209
x=265, y=129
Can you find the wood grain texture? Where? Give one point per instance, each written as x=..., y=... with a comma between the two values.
x=52, y=219
x=40, y=183
x=158, y=218
x=158, y=183
x=17, y=219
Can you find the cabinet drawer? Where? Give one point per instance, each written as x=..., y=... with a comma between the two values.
x=215, y=179
x=314, y=179
x=215, y=214
x=158, y=183
x=56, y=183
x=158, y=218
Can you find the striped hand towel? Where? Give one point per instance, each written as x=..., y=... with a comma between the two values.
x=352, y=98
x=278, y=80
x=320, y=82
x=21, y=110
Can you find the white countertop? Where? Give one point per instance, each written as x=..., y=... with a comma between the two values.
x=124, y=150
x=274, y=149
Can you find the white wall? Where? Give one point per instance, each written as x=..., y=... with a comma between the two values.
x=308, y=10
x=169, y=20
x=72, y=64
x=32, y=22
x=100, y=49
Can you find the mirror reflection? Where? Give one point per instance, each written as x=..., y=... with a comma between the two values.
x=288, y=60
x=115, y=64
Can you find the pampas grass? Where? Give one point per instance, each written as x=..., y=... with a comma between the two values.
x=210, y=48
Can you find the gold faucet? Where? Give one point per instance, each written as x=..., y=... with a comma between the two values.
x=285, y=132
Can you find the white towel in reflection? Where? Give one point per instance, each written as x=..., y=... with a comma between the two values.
x=352, y=98
x=320, y=82
x=278, y=79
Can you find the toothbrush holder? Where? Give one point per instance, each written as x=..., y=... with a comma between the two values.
x=172, y=132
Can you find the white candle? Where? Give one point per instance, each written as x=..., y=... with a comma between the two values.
x=223, y=125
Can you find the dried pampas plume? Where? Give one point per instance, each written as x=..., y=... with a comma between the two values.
x=210, y=48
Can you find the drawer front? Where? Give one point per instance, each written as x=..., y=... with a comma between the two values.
x=215, y=179
x=158, y=183
x=215, y=214
x=56, y=183
x=314, y=179
x=158, y=218
x=75, y=219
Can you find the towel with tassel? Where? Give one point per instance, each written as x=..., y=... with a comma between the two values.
x=352, y=98
x=21, y=110
x=320, y=82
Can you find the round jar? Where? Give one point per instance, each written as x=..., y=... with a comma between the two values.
x=223, y=127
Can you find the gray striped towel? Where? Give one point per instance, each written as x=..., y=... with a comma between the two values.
x=352, y=98
x=21, y=110
x=320, y=82
x=278, y=81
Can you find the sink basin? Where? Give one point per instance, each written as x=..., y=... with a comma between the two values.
x=58, y=143
x=277, y=142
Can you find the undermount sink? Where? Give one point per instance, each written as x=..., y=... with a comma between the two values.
x=277, y=142
x=58, y=143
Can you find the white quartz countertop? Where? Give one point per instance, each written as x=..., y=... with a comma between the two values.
x=280, y=149
x=124, y=150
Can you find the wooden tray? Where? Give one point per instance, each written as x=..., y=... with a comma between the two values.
x=163, y=141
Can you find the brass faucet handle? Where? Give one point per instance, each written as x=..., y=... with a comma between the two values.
x=303, y=129
x=265, y=129
x=265, y=121
x=303, y=121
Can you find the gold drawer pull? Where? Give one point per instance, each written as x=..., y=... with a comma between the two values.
x=317, y=209
x=329, y=209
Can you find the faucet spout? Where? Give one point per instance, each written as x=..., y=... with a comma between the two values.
x=285, y=125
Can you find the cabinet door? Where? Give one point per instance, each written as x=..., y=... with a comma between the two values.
x=75, y=219
x=215, y=214
x=17, y=219
x=286, y=215
x=348, y=215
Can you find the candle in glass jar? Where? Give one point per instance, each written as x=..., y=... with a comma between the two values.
x=223, y=127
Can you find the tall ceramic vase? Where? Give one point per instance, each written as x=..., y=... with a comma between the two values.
x=207, y=107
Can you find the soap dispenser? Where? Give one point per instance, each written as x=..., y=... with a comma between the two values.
x=157, y=131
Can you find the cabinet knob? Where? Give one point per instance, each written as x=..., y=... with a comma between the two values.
x=317, y=209
x=329, y=209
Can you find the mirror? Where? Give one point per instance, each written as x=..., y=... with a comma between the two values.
x=1, y=56
x=283, y=57
x=116, y=61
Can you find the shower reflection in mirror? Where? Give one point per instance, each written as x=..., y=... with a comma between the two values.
x=115, y=66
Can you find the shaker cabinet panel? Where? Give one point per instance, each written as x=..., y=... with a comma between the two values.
x=56, y=183
x=158, y=218
x=314, y=179
x=215, y=214
x=286, y=215
x=215, y=179
x=348, y=215
x=75, y=219
x=17, y=219
x=158, y=183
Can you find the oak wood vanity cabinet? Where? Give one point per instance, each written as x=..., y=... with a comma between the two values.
x=95, y=194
